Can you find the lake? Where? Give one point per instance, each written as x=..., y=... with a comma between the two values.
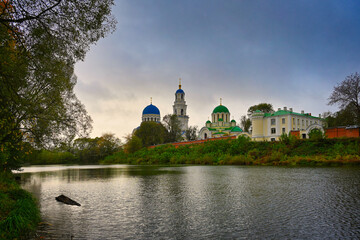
x=196, y=202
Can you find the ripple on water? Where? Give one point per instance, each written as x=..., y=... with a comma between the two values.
x=199, y=202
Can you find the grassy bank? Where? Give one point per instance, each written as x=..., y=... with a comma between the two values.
x=243, y=151
x=19, y=213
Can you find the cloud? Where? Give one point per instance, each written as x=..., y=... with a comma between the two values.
x=246, y=52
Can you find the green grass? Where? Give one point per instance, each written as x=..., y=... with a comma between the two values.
x=242, y=151
x=19, y=213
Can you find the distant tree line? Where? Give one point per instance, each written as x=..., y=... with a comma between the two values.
x=81, y=151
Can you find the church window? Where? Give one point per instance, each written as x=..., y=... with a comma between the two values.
x=307, y=123
x=205, y=135
x=273, y=130
x=283, y=120
x=302, y=122
x=273, y=121
x=182, y=111
x=222, y=116
x=182, y=96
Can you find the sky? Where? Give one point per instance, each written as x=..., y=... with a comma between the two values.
x=287, y=53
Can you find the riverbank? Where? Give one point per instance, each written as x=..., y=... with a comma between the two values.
x=243, y=151
x=19, y=213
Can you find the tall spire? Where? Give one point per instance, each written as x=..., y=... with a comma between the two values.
x=220, y=101
x=179, y=83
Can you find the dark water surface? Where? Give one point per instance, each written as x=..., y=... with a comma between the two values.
x=197, y=202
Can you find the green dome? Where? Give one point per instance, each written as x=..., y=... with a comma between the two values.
x=221, y=109
x=208, y=121
x=236, y=129
x=233, y=121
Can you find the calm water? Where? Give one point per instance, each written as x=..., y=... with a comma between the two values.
x=197, y=202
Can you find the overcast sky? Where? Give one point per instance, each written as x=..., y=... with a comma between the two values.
x=287, y=53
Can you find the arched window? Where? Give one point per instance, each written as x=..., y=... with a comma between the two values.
x=182, y=96
x=205, y=136
x=182, y=111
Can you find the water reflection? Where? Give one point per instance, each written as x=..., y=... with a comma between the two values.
x=197, y=202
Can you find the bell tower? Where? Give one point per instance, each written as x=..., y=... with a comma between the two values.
x=179, y=108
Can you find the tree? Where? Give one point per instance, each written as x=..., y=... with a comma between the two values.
x=133, y=144
x=343, y=117
x=264, y=107
x=347, y=95
x=41, y=40
x=151, y=133
x=172, y=125
x=108, y=144
x=191, y=133
x=316, y=134
x=245, y=123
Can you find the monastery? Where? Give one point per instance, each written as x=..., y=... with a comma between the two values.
x=265, y=126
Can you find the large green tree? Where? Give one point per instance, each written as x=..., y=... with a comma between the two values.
x=41, y=40
x=347, y=95
x=264, y=107
x=151, y=133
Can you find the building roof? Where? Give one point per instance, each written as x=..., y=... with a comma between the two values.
x=233, y=121
x=151, y=109
x=236, y=129
x=221, y=109
x=208, y=121
x=218, y=133
x=283, y=112
x=180, y=91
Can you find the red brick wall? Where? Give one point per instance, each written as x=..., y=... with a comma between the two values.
x=295, y=134
x=342, y=132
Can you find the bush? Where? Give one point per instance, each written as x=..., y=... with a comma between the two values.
x=19, y=213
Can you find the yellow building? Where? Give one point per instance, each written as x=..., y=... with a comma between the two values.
x=270, y=126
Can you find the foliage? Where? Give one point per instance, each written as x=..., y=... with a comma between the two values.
x=81, y=151
x=133, y=144
x=242, y=151
x=19, y=213
x=264, y=107
x=343, y=117
x=245, y=123
x=316, y=134
x=172, y=125
x=40, y=43
x=151, y=133
x=347, y=96
x=191, y=133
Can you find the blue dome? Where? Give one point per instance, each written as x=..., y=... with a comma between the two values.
x=179, y=91
x=151, y=109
